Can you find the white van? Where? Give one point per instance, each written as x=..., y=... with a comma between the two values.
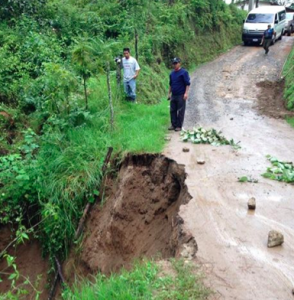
x=259, y=18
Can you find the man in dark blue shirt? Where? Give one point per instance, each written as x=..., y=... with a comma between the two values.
x=267, y=38
x=179, y=83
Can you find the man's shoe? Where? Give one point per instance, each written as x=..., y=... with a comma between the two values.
x=171, y=128
x=178, y=129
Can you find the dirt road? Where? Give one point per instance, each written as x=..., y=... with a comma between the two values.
x=232, y=241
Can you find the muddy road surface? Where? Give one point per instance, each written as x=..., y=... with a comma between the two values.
x=232, y=241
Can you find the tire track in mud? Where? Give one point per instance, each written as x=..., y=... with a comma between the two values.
x=232, y=242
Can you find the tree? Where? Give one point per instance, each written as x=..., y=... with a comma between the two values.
x=83, y=59
x=103, y=52
x=58, y=84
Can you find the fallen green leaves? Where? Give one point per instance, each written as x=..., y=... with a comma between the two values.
x=207, y=136
x=247, y=179
x=281, y=171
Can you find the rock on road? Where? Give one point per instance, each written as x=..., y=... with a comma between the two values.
x=232, y=240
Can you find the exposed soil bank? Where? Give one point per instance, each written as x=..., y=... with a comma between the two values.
x=139, y=219
x=270, y=99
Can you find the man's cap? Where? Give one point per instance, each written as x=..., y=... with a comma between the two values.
x=176, y=60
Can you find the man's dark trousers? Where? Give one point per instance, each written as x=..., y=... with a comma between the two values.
x=177, y=110
x=266, y=44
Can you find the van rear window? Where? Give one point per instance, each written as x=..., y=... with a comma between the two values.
x=260, y=18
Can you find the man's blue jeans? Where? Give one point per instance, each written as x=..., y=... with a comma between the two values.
x=130, y=89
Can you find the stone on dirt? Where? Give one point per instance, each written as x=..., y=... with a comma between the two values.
x=252, y=203
x=167, y=138
x=185, y=149
x=200, y=161
x=275, y=238
x=188, y=247
x=188, y=251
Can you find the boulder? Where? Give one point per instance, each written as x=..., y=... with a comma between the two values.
x=200, y=161
x=252, y=203
x=275, y=238
x=185, y=149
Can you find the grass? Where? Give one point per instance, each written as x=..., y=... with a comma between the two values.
x=290, y=121
x=289, y=80
x=145, y=281
x=72, y=160
x=141, y=128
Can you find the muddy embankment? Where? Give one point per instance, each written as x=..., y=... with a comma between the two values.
x=138, y=219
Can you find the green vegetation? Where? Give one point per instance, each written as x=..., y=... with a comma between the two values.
x=145, y=281
x=54, y=107
x=288, y=72
x=67, y=167
x=207, y=136
x=247, y=179
x=290, y=121
x=18, y=291
x=281, y=171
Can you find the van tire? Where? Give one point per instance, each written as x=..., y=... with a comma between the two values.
x=281, y=35
x=245, y=43
x=273, y=41
x=290, y=31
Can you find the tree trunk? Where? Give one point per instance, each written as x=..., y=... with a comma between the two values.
x=136, y=44
x=109, y=95
x=251, y=5
x=67, y=104
x=59, y=270
x=53, y=288
x=118, y=73
x=85, y=92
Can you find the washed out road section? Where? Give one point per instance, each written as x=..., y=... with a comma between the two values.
x=232, y=241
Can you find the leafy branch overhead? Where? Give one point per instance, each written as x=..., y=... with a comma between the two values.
x=280, y=170
x=207, y=136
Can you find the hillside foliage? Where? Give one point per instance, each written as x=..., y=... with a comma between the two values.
x=288, y=72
